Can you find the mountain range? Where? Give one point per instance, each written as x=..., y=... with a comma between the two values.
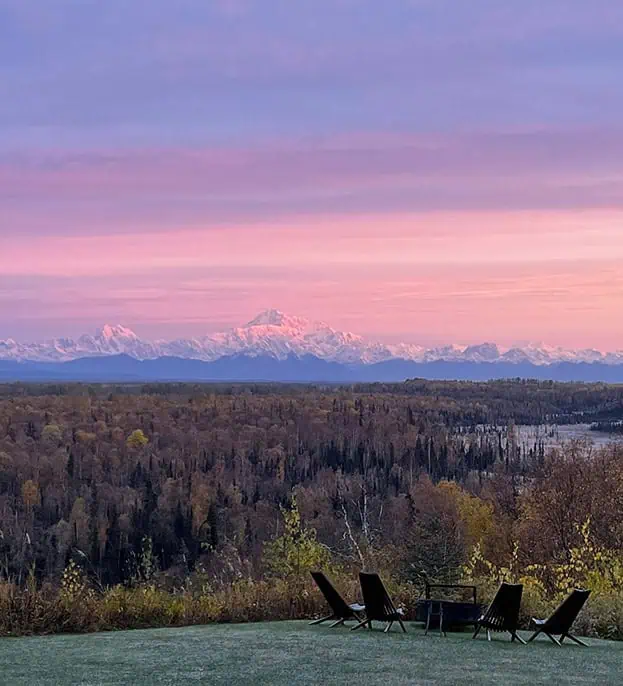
x=281, y=337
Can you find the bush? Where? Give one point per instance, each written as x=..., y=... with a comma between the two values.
x=32, y=610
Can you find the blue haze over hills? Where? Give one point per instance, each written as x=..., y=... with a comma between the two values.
x=304, y=369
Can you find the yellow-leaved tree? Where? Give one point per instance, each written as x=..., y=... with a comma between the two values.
x=137, y=440
x=291, y=556
x=297, y=551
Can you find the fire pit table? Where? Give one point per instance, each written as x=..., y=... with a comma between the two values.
x=448, y=613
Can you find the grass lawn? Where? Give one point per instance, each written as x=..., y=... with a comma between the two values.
x=295, y=653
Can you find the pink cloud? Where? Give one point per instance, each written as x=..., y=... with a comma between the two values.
x=355, y=159
x=567, y=303
x=417, y=240
x=118, y=191
x=553, y=276
x=347, y=229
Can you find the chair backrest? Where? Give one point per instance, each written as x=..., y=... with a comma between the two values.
x=335, y=600
x=375, y=597
x=562, y=618
x=503, y=613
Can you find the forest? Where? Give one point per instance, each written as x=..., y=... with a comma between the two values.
x=145, y=505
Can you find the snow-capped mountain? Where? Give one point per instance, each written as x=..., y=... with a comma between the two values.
x=275, y=334
x=109, y=340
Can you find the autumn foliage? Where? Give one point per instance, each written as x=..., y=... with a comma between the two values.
x=170, y=505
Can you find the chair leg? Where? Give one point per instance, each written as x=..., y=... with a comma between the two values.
x=430, y=611
x=320, y=621
x=553, y=639
x=534, y=635
x=402, y=626
x=488, y=635
x=358, y=626
x=338, y=623
x=576, y=640
x=388, y=627
x=478, y=628
x=518, y=637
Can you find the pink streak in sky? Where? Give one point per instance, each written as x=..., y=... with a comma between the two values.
x=431, y=278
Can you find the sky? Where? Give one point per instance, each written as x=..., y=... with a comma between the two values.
x=431, y=171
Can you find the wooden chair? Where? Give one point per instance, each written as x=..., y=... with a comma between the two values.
x=560, y=621
x=340, y=610
x=503, y=613
x=379, y=606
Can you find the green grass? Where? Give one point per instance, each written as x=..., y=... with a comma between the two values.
x=294, y=653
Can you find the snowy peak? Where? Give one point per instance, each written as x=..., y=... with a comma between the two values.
x=279, y=335
x=109, y=332
x=278, y=318
x=485, y=352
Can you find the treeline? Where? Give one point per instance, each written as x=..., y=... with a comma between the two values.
x=612, y=427
x=167, y=484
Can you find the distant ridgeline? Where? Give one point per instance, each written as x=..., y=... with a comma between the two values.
x=296, y=369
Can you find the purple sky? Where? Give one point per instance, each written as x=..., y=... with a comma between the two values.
x=378, y=137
